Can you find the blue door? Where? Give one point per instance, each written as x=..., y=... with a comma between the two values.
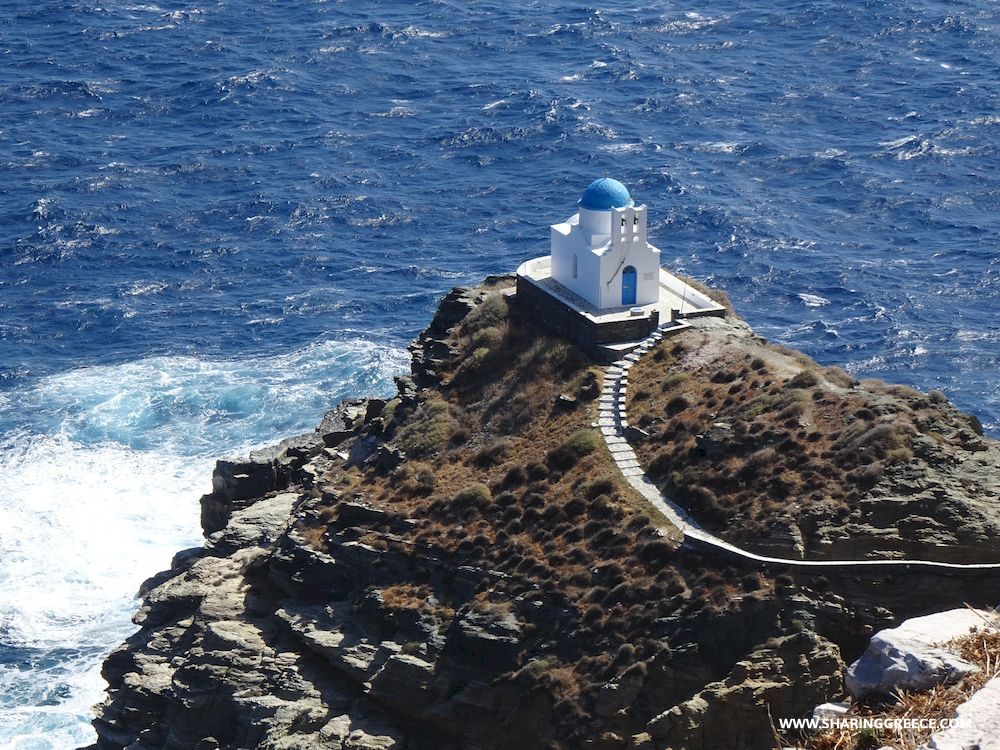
x=628, y=286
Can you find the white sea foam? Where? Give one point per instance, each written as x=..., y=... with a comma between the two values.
x=83, y=526
x=397, y=112
x=621, y=148
x=813, y=300
x=414, y=32
x=190, y=405
x=99, y=487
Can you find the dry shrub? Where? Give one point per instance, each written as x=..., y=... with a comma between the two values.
x=578, y=445
x=473, y=365
x=492, y=312
x=428, y=430
x=937, y=396
x=597, y=487
x=473, y=496
x=804, y=379
x=492, y=454
x=515, y=414
x=840, y=376
x=405, y=596
x=673, y=380
x=489, y=338
x=515, y=477
x=676, y=405
x=724, y=376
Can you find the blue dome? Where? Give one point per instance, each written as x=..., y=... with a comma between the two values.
x=605, y=194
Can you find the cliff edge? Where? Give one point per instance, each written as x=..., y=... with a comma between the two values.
x=462, y=566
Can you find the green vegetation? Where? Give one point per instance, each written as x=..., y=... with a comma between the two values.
x=473, y=365
x=579, y=444
x=492, y=312
x=428, y=430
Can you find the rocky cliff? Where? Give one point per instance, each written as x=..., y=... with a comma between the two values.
x=461, y=566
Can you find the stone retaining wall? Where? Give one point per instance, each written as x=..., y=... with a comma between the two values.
x=535, y=304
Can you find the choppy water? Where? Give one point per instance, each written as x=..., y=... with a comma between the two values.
x=217, y=218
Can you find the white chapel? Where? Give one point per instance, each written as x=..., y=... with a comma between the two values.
x=601, y=253
x=601, y=282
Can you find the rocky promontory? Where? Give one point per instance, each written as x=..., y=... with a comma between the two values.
x=462, y=566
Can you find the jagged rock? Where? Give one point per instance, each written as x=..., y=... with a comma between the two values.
x=635, y=434
x=238, y=479
x=407, y=389
x=313, y=621
x=484, y=641
x=590, y=389
x=432, y=347
x=784, y=539
x=454, y=307
x=335, y=437
x=363, y=450
x=912, y=657
x=618, y=694
x=323, y=631
x=715, y=441
x=238, y=482
x=342, y=422
x=788, y=676
x=374, y=409
x=359, y=514
x=235, y=481
x=826, y=711
x=300, y=570
x=256, y=526
x=387, y=458
x=404, y=682
x=345, y=732
x=565, y=401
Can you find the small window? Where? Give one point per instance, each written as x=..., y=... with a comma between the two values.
x=623, y=221
x=574, y=267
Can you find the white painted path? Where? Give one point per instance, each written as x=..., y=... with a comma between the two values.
x=612, y=421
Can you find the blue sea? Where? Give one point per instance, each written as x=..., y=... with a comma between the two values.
x=219, y=218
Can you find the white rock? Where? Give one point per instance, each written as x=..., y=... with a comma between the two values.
x=830, y=711
x=977, y=723
x=910, y=657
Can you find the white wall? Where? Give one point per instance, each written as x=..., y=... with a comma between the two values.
x=568, y=241
x=628, y=247
x=603, y=248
